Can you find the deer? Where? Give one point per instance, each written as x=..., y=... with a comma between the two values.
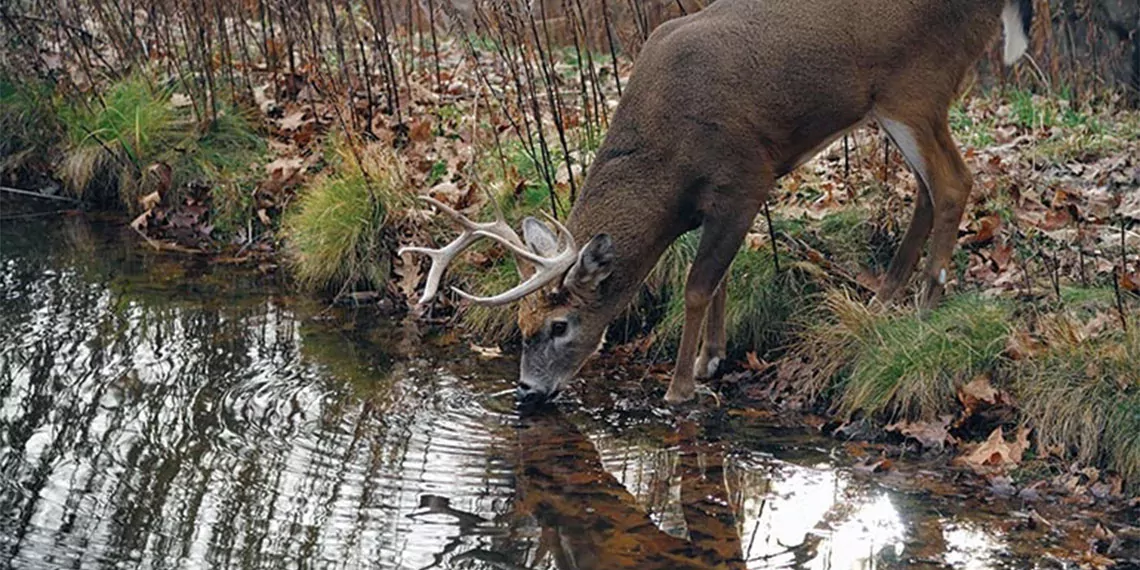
x=719, y=106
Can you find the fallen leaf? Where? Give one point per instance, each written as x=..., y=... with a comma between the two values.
x=977, y=391
x=179, y=100
x=409, y=277
x=150, y=200
x=996, y=454
x=140, y=222
x=295, y=120
x=987, y=227
x=755, y=364
x=284, y=168
x=1130, y=282
x=932, y=435
x=874, y=465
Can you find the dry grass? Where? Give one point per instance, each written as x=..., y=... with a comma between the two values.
x=894, y=363
x=1082, y=393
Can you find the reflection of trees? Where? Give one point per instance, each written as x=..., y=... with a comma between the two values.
x=589, y=520
x=162, y=422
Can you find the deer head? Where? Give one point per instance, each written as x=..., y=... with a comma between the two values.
x=558, y=293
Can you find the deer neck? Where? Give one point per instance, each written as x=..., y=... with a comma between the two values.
x=633, y=199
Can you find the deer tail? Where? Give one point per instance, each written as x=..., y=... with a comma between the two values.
x=1017, y=19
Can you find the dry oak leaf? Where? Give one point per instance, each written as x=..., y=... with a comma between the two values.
x=996, y=454
x=977, y=391
x=932, y=435
x=409, y=275
x=150, y=200
x=285, y=168
x=295, y=120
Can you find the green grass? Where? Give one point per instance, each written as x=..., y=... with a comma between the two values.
x=339, y=230
x=977, y=134
x=491, y=325
x=28, y=126
x=891, y=363
x=112, y=141
x=227, y=156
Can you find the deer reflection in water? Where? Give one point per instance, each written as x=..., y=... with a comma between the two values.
x=590, y=520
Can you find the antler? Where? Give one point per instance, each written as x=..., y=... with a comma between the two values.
x=547, y=269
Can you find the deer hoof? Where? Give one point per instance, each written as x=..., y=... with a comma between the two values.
x=680, y=396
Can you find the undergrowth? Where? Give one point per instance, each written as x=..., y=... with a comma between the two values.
x=114, y=141
x=1082, y=393
x=29, y=129
x=895, y=363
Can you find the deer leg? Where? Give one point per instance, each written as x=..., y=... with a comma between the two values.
x=902, y=265
x=952, y=185
x=713, y=348
x=721, y=238
x=905, y=259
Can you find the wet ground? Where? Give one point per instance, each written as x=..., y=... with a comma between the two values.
x=163, y=412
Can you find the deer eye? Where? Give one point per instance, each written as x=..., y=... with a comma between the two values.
x=558, y=329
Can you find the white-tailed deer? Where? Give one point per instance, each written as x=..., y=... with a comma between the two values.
x=721, y=104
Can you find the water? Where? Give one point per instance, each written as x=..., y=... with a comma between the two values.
x=161, y=412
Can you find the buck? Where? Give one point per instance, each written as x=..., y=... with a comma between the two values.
x=720, y=105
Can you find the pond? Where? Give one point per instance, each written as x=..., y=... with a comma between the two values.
x=164, y=412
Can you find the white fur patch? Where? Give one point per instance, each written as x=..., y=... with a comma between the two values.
x=904, y=138
x=714, y=363
x=1015, y=40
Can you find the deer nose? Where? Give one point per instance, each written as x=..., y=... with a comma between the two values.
x=528, y=395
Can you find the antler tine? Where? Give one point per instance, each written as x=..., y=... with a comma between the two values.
x=442, y=257
x=536, y=282
x=547, y=269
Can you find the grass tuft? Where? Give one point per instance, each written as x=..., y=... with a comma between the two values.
x=893, y=363
x=339, y=230
x=28, y=128
x=112, y=142
x=1082, y=394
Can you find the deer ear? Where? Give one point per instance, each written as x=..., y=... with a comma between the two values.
x=594, y=265
x=539, y=237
